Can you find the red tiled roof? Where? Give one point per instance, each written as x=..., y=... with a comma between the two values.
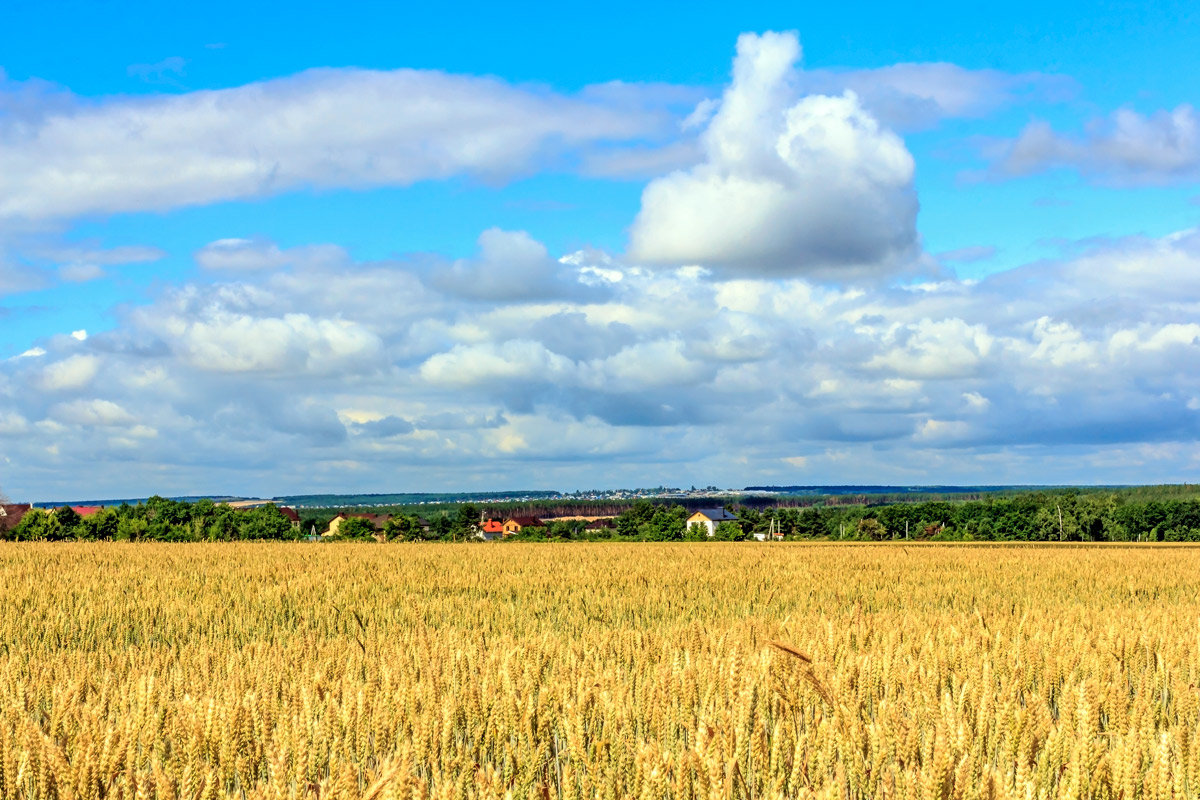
x=290, y=513
x=87, y=511
x=493, y=526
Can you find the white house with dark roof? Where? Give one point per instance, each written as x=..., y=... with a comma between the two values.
x=710, y=518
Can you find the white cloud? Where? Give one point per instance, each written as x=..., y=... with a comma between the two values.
x=1155, y=338
x=976, y=401
x=102, y=256
x=247, y=255
x=968, y=255
x=73, y=372
x=80, y=273
x=788, y=186
x=240, y=254
x=12, y=424
x=1125, y=148
x=918, y=95
x=17, y=277
x=322, y=128
x=511, y=265
x=941, y=430
x=492, y=365
x=649, y=365
x=94, y=412
x=44, y=254
x=1061, y=344
x=642, y=161
x=949, y=348
x=230, y=342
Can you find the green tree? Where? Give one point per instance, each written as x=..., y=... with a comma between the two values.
x=356, y=528
x=810, y=524
x=442, y=528
x=102, y=525
x=37, y=525
x=729, y=531
x=871, y=528
x=629, y=522
x=68, y=524
x=466, y=521
x=402, y=528
x=222, y=525
x=265, y=523
x=132, y=528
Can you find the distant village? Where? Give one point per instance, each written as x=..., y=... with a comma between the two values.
x=494, y=528
x=378, y=526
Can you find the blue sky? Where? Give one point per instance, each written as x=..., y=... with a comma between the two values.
x=392, y=248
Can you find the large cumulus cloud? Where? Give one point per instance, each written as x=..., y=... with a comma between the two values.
x=788, y=186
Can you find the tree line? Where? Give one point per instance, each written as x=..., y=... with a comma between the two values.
x=1067, y=515
x=158, y=519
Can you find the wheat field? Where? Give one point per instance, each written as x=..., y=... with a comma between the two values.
x=598, y=671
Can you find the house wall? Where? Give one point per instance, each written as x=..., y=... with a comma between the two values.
x=699, y=519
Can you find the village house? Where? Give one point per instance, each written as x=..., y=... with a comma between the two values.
x=490, y=529
x=378, y=522
x=85, y=511
x=514, y=525
x=709, y=518
x=11, y=514
x=775, y=534
x=291, y=515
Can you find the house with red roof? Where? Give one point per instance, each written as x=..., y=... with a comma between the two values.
x=491, y=529
x=86, y=511
x=291, y=515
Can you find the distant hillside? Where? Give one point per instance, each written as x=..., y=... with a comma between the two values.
x=133, y=501
x=849, y=489
x=408, y=498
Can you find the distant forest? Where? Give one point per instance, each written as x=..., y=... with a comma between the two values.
x=403, y=498
x=1145, y=514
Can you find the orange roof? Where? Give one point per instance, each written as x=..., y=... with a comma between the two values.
x=493, y=526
